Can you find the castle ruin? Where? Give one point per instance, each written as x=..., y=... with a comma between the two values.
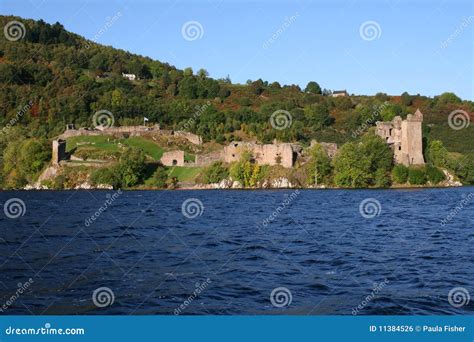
x=404, y=137
x=283, y=154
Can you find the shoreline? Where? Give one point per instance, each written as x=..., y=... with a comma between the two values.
x=240, y=189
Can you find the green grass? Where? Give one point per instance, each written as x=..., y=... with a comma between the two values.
x=101, y=142
x=110, y=144
x=184, y=174
x=148, y=146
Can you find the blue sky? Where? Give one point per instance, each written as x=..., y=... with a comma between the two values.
x=421, y=47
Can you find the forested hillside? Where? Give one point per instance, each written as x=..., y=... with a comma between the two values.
x=52, y=77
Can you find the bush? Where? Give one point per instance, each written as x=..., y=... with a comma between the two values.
x=382, y=178
x=105, y=176
x=215, y=173
x=400, y=174
x=434, y=175
x=131, y=167
x=159, y=178
x=416, y=176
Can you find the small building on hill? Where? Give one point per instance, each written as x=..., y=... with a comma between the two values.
x=339, y=93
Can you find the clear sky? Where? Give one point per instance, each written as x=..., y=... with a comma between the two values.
x=418, y=46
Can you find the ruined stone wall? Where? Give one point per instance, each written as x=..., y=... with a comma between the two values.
x=193, y=138
x=405, y=138
x=173, y=158
x=209, y=158
x=59, y=151
x=268, y=154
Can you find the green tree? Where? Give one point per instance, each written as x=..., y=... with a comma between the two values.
x=400, y=174
x=320, y=169
x=434, y=175
x=313, y=88
x=437, y=154
x=215, y=173
x=131, y=167
x=416, y=176
x=159, y=178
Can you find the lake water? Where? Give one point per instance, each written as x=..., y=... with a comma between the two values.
x=202, y=252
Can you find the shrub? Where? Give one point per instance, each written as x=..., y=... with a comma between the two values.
x=400, y=174
x=417, y=176
x=105, y=176
x=215, y=173
x=382, y=178
x=131, y=167
x=159, y=178
x=434, y=175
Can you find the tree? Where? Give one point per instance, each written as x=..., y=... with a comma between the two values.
x=363, y=163
x=400, y=174
x=202, y=73
x=437, y=154
x=313, y=88
x=215, y=173
x=416, y=176
x=188, y=72
x=318, y=116
x=131, y=167
x=320, y=170
x=159, y=178
x=434, y=175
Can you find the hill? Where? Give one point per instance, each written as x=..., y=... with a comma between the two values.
x=51, y=77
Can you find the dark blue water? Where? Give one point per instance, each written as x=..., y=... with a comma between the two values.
x=244, y=245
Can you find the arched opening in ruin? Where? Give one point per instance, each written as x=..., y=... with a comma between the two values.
x=175, y=162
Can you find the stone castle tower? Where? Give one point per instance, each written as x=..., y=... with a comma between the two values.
x=405, y=138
